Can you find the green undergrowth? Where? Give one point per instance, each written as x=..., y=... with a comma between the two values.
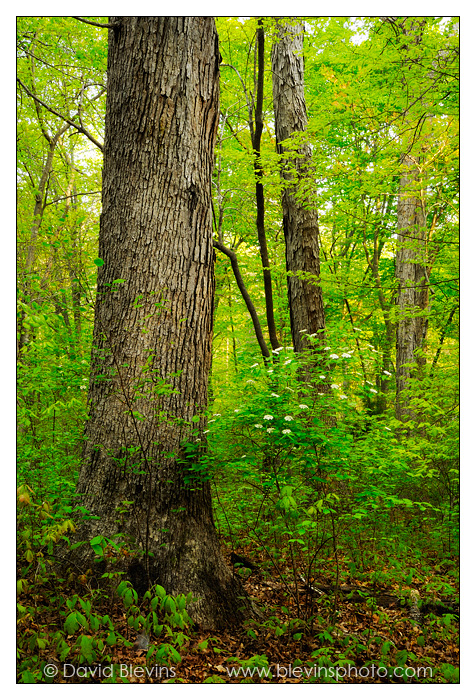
x=316, y=497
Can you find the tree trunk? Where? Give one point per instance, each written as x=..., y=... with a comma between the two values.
x=300, y=222
x=411, y=256
x=152, y=334
x=410, y=270
x=25, y=286
x=259, y=190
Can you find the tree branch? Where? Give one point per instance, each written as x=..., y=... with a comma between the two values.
x=110, y=25
x=76, y=194
x=78, y=127
x=246, y=297
x=234, y=134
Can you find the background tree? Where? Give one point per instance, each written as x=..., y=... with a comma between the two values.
x=254, y=96
x=300, y=224
x=59, y=186
x=411, y=263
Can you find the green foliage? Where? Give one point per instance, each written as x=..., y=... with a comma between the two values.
x=89, y=638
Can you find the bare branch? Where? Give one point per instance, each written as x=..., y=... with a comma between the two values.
x=78, y=127
x=233, y=132
x=113, y=25
x=76, y=194
x=246, y=297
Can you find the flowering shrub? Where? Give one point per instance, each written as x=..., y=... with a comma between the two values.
x=307, y=467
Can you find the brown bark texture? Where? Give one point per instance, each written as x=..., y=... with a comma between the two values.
x=153, y=330
x=410, y=271
x=300, y=222
x=411, y=257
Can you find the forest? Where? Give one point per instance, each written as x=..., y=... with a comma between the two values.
x=237, y=350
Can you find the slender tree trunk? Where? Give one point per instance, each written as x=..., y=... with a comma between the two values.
x=152, y=335
x=379, y=404
x=259, y=190
x=34, y=230
x=300, y=222
x=442, y=339
x=254, y=102
x=231, y=254
x=39, y=196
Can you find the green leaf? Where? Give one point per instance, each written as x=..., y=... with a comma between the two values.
x=87, y=648
x=214, y=679
x=168, y=604
x=401, y=657
x=71, y=623
x=28, y=677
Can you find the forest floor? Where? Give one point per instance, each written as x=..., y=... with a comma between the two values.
x=303, y=637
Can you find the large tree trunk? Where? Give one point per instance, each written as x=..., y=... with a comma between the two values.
x=300, y=222
x=152, y=335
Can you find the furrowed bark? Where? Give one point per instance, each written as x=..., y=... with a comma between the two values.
x=141, y=473
x=300, y=221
